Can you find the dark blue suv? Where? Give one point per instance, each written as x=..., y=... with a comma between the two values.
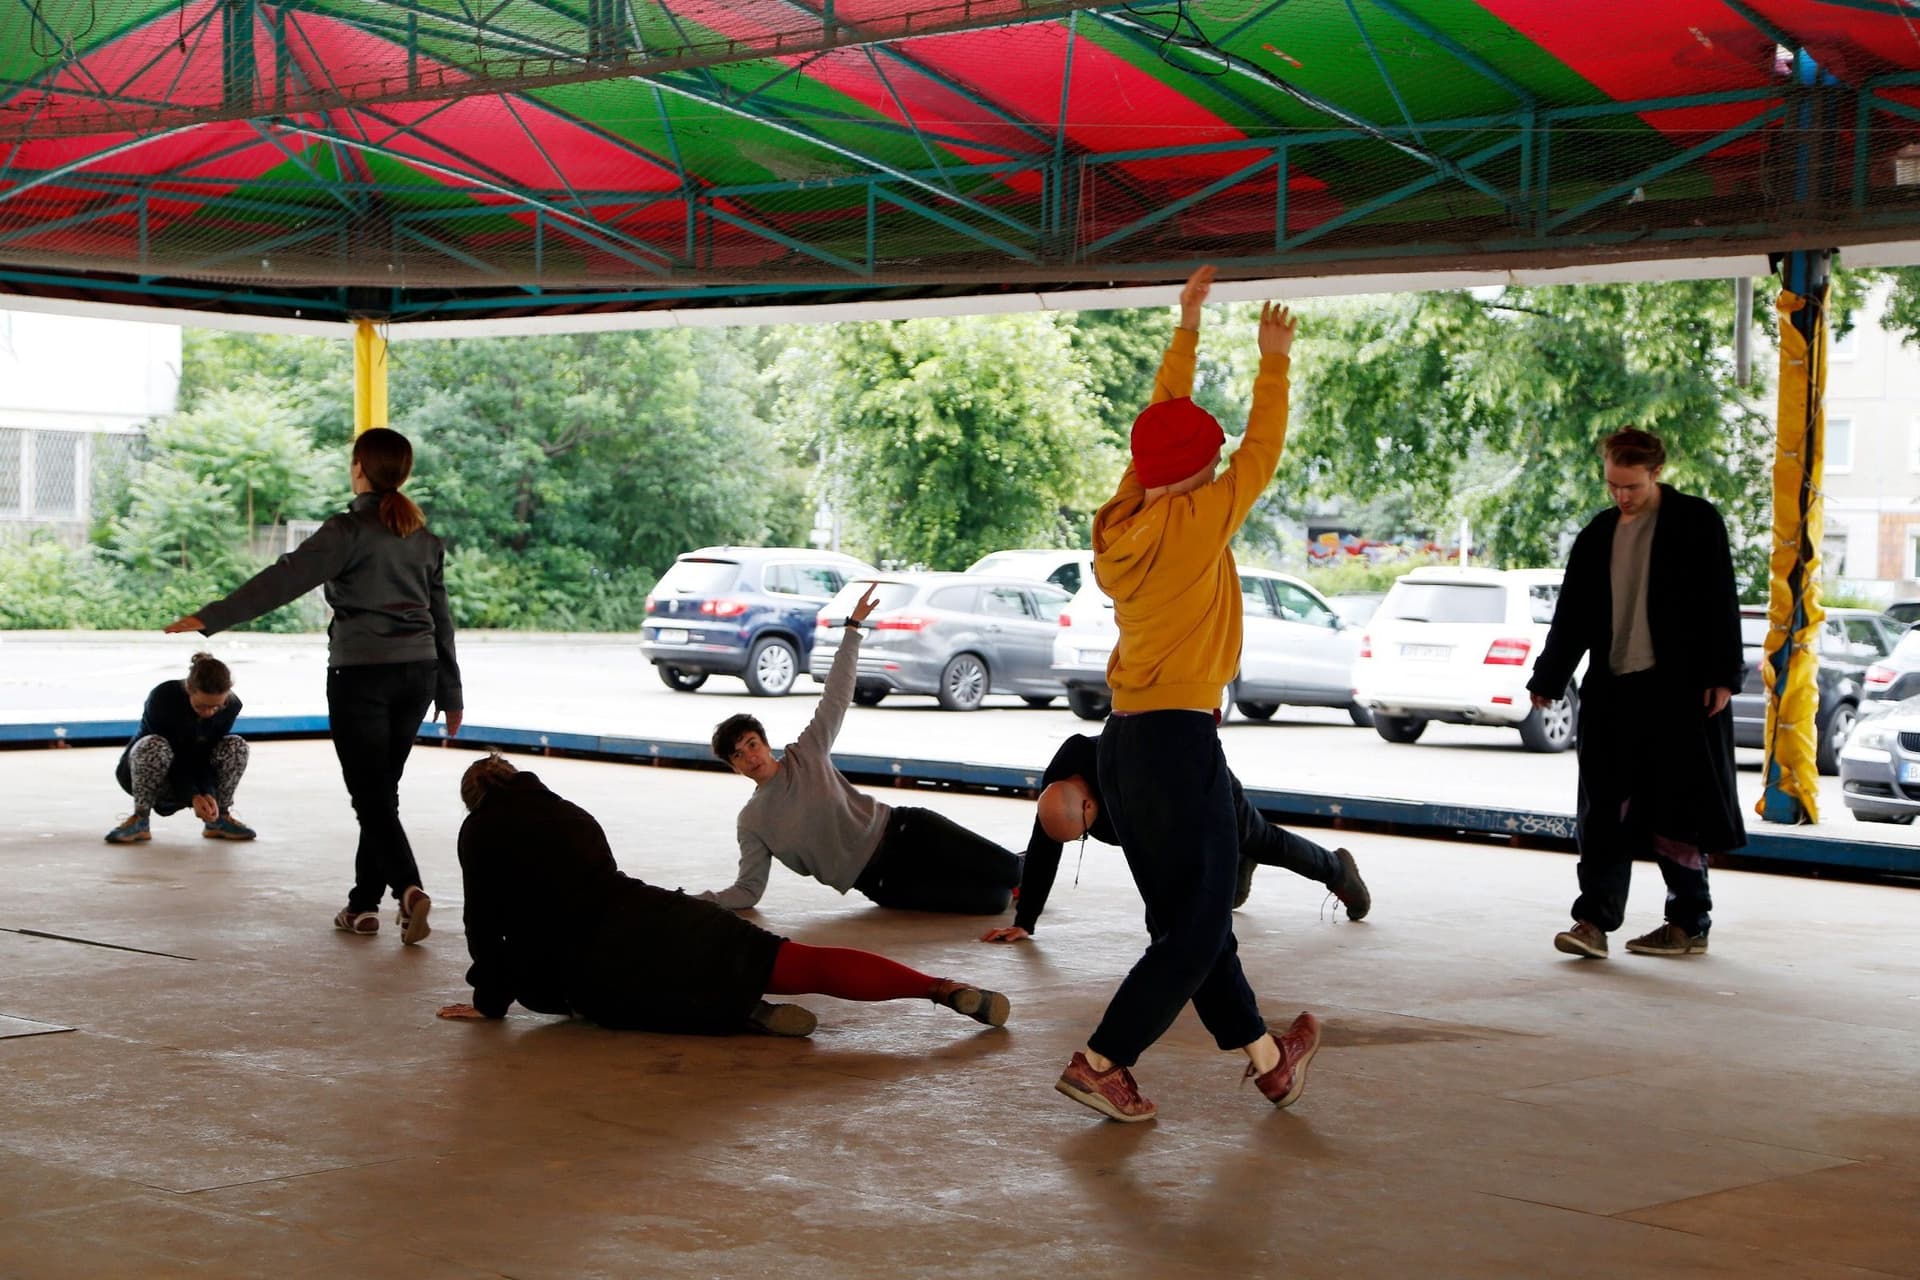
x=741, y=611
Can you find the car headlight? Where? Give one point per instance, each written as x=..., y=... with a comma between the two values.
x=1873, y=737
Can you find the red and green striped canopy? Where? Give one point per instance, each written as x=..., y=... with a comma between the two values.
x=442, y=158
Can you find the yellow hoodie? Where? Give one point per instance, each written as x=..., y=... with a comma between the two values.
x=1176, y=592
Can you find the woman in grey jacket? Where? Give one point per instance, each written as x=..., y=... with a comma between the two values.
x=389, y=655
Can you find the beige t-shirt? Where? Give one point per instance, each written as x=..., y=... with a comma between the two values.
x=1632, y=550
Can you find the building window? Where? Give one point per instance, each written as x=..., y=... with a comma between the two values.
x=1833, y=553
x=43, y=475
x=13, y=473
x=1912, y=567
x=1839, y=452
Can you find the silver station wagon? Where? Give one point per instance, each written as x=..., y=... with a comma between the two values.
x=957, y=636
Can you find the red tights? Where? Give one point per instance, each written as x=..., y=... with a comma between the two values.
x=800, y=970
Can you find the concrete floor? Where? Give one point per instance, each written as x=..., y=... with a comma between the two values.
x=272, y=1097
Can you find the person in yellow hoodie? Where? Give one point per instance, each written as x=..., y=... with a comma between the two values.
x=1161, y=551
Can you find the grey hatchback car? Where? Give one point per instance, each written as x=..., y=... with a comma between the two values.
x=956, y=636
x=1851, y=644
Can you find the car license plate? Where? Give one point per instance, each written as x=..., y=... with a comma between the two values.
x=1426, y=652
x=1095, y=657
x=1909, y=771
x=670, y=635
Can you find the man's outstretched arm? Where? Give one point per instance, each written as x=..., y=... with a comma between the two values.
x=832, y=711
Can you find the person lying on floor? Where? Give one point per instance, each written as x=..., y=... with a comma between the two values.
x=805, y=813
x=1070, y=809
x=553, y=923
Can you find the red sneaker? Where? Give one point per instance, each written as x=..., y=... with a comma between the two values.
x=1113, y=1094
x=1284, y=1084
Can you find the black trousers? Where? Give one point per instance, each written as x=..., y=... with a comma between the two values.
x=375, y=712
x=1642, y=777
x=1275, y=846
x=1169, y=793
x=928, y=862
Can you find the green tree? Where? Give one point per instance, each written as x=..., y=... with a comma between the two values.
x=1491, y=406
x=628, y=448
x=310, y=378
x=944, y=439
x=248, y=439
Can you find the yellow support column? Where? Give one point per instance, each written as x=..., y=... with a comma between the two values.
x=369, y=376
x=1794, y=615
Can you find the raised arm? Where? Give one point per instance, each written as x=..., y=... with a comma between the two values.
x=827, y=717
x=1251, y=469
x=1175, y=377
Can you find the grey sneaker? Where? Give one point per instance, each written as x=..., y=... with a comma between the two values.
x=782, y=1019
x=1582, y=940
x=1352, y=890
x=1669, y=940
x=977, y=1003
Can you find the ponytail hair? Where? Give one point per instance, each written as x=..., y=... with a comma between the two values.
x=386, y=460
x=207, y=674
x=483, y=776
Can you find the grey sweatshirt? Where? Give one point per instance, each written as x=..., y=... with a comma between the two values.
x=388, y=595
x=808, y=815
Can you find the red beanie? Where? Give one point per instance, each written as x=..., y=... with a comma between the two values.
x=1172, y=440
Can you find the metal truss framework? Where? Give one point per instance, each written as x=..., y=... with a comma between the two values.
x=1515, y=182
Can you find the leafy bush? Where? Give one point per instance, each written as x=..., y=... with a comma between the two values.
x=1356, y=575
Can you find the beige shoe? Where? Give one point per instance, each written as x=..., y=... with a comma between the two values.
x=1668, y=940
x=1584, y=940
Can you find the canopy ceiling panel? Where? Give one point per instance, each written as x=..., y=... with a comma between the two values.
x=434, y=159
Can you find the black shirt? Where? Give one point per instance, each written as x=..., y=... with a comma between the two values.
x=1078, y=756
x=169, y=714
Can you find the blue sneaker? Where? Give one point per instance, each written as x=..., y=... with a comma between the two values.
x=132, y=831
x=227, y=827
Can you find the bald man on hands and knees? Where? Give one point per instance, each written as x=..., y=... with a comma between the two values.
x=1069, y=809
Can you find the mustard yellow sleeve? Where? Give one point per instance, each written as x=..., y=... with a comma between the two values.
x=1258, y=457
x=1174, y=379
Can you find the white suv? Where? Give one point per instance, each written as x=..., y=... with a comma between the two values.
x=1294, y=650
x=1067, y=570
x=1458, y=646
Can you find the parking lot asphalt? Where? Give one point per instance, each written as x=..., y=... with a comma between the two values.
x=601, y=684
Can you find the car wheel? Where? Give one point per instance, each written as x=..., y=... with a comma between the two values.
x=1551, y=728
x=1257, y=710
x=1360, y=715
x=683, y=681
x=771, y=668
x=1399, y=728
x=1089, y=705
x=1037, y=703
x=963, y=682
x=870, y=695
x=1833, y=737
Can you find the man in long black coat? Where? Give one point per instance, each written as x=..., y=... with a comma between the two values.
x=1649, y=599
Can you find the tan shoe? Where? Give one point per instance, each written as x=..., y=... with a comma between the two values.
x=1584, y=940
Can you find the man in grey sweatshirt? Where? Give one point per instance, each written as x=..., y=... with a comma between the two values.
x=807, y=815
